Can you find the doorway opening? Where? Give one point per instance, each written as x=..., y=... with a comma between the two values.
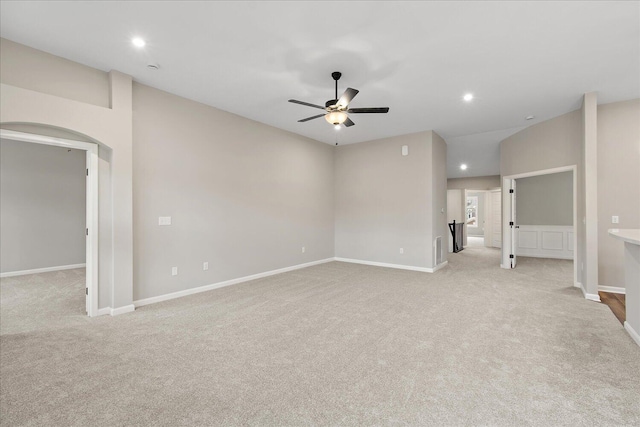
x=540, y=216
x=479, y=212
x=91, y=207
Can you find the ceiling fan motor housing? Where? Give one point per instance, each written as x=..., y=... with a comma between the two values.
x=331, y=104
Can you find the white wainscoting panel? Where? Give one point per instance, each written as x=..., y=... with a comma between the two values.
x=527, y=239
x=553, y=240
x=570, y=237
x=545, y=241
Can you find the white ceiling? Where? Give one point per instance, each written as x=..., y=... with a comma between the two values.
x=418, y=58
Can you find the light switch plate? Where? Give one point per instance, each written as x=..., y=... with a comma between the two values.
x=174, y=271
x=615, y=219
x=164, y=220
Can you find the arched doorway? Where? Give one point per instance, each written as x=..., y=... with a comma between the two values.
x=92, y=195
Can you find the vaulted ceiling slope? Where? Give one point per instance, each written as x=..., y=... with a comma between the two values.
x=418, y=58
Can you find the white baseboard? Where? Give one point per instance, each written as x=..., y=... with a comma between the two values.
x=116, y=311
x=590, y=297
x=384, y=264
x=612, y=289
x=179, y=294
x=545, y=256
x=42, y=270
x=122, y=310
x=632, y=332
x=104, y=311
x=437, y=267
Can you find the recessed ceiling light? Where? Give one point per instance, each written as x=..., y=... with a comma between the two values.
x=463, y=167
x=138, y=42
x=530, y=117
x=468, y=97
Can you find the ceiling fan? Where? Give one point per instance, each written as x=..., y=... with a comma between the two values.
x=336, y=109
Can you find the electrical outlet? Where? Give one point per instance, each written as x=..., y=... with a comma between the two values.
x=205, y=266
x=401, y=251
x=174, y=271
x=164, y=220
x=615, y=219
x=303, y=249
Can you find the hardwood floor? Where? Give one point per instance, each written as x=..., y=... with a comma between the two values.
x=616, y=303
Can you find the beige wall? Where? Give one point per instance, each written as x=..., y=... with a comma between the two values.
x=46, y=103
x=243, y=196
x=545, y=199
x=618, y=183
x=588, y=227
x=42, y=206
x=380, y=201
x=32, y=69
x=474, y=183
x=438, y=199
x=383, y=200
x=560, y=142
x=550, y=144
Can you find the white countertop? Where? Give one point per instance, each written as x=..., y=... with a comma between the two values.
x=629, y=235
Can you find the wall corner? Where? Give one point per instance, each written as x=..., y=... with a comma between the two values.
x=590, y=180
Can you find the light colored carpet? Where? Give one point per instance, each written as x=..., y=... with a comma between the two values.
x=475, y=241
x=335, y=344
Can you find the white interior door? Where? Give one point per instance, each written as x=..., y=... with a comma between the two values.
x=512, y=223
x=486, y=222
x=87, y=300
x=496, y=218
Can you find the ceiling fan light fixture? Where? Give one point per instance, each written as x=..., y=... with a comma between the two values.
x=336, y=117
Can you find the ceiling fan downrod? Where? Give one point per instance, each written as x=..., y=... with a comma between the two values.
x=336, y=76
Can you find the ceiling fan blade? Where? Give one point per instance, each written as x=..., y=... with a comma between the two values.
x=347, y=96
x=348, y=122
x=311, y=118
x=369, y=110
x=295, y=101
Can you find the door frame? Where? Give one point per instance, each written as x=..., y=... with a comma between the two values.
x=506, y=214
x=491, y=227
x=91, y=246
